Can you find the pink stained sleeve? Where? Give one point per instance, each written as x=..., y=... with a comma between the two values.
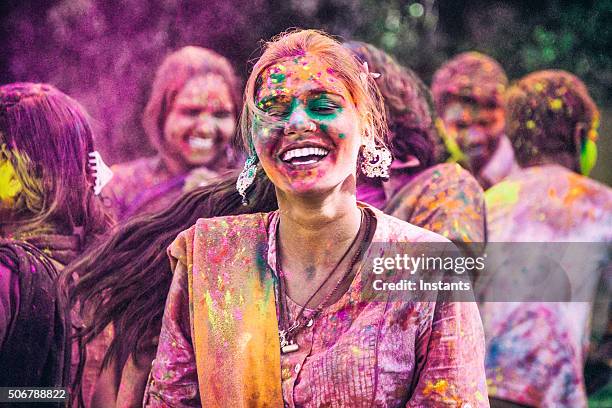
x=173, y=381
x=452, y=350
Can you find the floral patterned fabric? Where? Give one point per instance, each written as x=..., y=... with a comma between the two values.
x=445, y=199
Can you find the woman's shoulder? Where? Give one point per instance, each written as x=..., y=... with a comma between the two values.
x=392, y=229
x=137, y=165
x=231, y=222
x=226, y=232
x=131, y=177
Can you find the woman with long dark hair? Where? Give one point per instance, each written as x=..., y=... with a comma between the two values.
x=130, y=271
x=48, y=214
x=124, y=281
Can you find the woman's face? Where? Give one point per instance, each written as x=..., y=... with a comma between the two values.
x=312, y=142
x=201, y=122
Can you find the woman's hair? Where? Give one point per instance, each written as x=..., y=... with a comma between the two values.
x=175, y=71
x=409, y=106
x=543, y=110
x=125, y=279
x=46, y=137
x=471, y=76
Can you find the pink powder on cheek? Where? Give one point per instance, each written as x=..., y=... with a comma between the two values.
x=453, y=113
x=301, y=180
x=266, y=141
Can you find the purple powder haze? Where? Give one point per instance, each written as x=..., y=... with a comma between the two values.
x=105, y=53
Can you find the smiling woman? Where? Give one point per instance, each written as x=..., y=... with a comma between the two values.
x=190, y=119
x=305, y=150
x=266, y=309
x=201, y=121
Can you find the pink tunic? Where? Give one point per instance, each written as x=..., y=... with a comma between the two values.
x=357, y=353
x=536, y=350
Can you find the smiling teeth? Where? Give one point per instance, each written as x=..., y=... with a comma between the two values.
x=304, y=151
x=199, y=143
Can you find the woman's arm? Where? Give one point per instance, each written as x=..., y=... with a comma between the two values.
x=173, y=381
x=105, y=391
x=110, y=391
x=452, y=354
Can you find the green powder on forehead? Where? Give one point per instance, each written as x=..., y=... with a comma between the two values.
x=278, y=77
x=341, y=135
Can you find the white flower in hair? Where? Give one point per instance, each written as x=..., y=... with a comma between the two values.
x=374, y=75
x=101, y=172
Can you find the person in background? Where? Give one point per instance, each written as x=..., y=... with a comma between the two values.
x=48, y=214
x=440, y=197
x=190, y=119
x=536, y=350
x=468, y=93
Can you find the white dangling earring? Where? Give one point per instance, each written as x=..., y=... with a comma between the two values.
x=376, y=161
x=246, y=178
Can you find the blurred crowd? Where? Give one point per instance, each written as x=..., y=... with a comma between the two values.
x=84, y=274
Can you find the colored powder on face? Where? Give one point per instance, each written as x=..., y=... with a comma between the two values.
x=323, y=127
x=276, y=80
x=9, y=183
x=341, y=135
x=31, y=188
x=277, y=77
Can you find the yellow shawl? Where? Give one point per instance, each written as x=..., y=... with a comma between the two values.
x=233, y=312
